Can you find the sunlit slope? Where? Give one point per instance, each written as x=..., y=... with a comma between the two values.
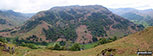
x=19, y=51
x=126, y=46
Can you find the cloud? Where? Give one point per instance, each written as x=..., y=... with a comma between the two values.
x=31, y=6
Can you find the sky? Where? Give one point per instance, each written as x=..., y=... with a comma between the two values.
x=33, y=6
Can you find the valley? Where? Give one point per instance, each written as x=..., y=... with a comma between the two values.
x=91, y=30
x=124, y=47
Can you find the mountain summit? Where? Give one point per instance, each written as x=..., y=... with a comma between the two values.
x=81, y=24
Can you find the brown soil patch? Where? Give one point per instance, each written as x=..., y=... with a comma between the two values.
x=61, y=39
x=84, y=36
x=38, y=31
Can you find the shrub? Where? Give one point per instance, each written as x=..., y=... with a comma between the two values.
x=75, y=47
x=102, y=41
x=62, y=43
x=56, y=47
x=3, y=40
x=106, y=40
x=30, y=45
x=114, y=38
x=94, y=39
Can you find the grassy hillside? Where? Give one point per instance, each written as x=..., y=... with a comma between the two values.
x=19, y=51
x=126, y=46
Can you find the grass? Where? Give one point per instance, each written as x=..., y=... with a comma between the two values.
x=51, y=44
x=126, y=46
x=145, y=24
x=88, y=46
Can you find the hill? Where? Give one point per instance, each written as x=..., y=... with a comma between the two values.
x=143, y=17
x=126, y=46
x=81, y=24
x=10, y=19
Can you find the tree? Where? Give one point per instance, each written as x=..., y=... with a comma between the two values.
x=62, y=43
x=30, y=45
x=44, y=43
x=114, y=38
x=102, y=41
x=3, y=40
x=94, y=39
x=56, y=47
x=75, y=47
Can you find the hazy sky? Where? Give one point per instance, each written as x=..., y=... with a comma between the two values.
x=33, y=6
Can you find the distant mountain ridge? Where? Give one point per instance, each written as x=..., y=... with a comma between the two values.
x=12, y=19
x=144, y=17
